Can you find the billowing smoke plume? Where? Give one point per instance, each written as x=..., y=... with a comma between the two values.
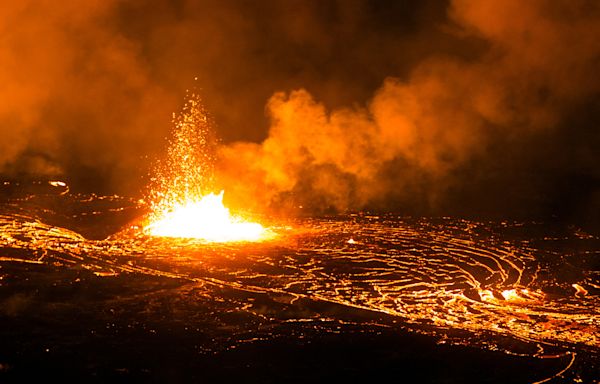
x=451, y=121
x=426, y=108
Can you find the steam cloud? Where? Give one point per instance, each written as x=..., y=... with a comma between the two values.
x=485, y=106
x=419, y=138
x=76, y=94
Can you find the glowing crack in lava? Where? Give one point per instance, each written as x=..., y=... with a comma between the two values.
x=181, y=201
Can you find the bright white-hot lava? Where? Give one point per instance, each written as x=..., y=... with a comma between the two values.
x=182, y=204
x=206, y=219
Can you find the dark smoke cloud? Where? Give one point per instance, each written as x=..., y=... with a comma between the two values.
x=428, y=108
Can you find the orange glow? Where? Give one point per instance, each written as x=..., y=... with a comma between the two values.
x=580, y=290
x=511, y=294
x=182, y=203
x=206, y=219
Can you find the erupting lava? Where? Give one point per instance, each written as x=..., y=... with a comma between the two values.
x=206, y=219
x=182, y=205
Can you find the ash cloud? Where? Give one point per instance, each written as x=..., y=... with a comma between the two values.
x=460, y=107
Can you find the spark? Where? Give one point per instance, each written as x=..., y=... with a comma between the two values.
x=182, y=202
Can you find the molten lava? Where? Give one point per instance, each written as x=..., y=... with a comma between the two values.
x=182, y=202
x=206, y=219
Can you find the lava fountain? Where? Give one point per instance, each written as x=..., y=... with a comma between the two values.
x=206, y=219
x=182, y=202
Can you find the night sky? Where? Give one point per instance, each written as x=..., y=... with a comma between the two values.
x=466, y=107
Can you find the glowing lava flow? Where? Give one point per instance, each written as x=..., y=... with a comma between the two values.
x=181, y=203
x=206, y=219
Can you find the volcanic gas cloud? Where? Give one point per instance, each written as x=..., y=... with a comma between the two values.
x=451, y=123
x=432, y=107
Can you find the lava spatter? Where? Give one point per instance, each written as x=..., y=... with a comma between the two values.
x=182, y=203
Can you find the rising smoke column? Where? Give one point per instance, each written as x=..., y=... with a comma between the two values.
x=538, y=64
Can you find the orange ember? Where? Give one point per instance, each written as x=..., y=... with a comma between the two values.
x=183, y=204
